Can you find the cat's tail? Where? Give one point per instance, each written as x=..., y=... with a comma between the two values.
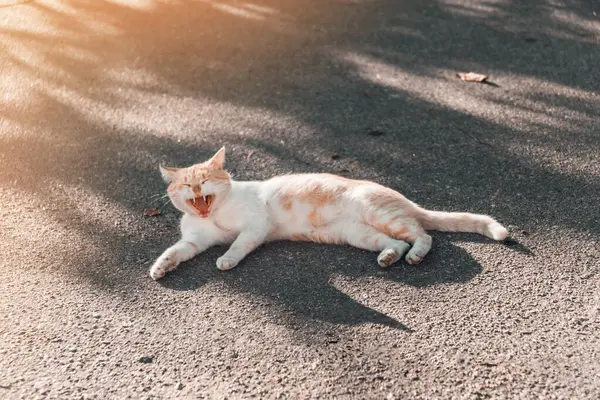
x=462, y=222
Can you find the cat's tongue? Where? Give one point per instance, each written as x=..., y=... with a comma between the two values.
x=200, y=205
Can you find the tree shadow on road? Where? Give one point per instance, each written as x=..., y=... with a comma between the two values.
x=294, y=83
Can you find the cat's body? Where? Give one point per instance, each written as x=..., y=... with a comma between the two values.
x=312, y=207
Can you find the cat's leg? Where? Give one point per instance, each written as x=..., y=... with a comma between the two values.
x=403, y=228
x=368, y=238
x=244, y=244
x=408, y=229
x=420, y=248
x=181, y=251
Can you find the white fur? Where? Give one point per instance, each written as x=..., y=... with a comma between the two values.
x=252, y=214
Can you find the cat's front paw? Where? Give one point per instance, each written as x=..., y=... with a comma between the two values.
x=161, y=267
x=225, y=263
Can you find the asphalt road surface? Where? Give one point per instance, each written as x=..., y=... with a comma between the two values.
x=95, y=94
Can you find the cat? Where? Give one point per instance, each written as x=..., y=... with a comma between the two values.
x=321, y=208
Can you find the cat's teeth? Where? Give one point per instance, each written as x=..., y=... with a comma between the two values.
x=206, y=199
x=194, y=200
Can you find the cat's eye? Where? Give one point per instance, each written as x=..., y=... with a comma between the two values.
x=204, y=181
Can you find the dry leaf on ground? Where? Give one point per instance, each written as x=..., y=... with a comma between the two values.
x=151, y=212
x=472, y=77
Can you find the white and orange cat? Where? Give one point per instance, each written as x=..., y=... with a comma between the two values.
x=320, y=208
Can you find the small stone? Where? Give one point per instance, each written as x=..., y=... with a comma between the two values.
x=146, y=359
x=180, y=386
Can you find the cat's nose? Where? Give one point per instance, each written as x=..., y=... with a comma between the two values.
x=197, y=190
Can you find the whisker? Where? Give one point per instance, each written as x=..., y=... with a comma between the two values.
x=165, y=203
x=158, y=199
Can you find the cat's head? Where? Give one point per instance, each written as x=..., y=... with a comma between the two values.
x=199, y=189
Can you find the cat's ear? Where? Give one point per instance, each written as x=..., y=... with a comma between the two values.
x=218, y=160
x=168, y=173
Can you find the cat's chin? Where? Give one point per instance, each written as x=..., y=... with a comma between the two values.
x=196, y=213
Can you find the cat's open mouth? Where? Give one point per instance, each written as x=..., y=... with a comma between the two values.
x=202, y=204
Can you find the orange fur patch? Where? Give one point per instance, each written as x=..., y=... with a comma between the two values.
x=286, y=201
x=315, y=219
x=383, y=228
x=401, y=233
x=315, y=195
x=320, y=196
x=201, y=172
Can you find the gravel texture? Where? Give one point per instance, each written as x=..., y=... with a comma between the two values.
x=95, y=94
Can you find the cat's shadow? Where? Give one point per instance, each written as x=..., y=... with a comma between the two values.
x=297, y=277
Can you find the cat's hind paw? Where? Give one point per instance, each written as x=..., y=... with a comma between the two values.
x=390, y=255
x=419, y=249
x=387, y=257
x=224, y=263
x=414, y=258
